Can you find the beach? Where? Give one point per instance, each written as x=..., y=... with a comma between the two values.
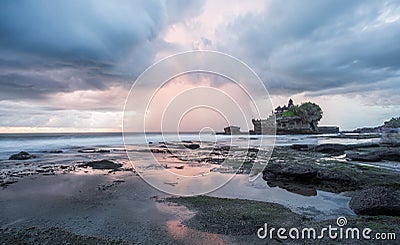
x=89, y=193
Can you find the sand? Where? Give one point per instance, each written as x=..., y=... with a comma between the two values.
x=117, y=207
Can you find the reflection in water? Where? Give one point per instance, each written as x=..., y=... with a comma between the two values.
x=181, y=232
x=323, y=205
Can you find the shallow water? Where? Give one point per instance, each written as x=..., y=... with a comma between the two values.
x=322, y=206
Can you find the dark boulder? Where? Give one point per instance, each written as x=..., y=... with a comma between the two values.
x=23, y=155
x=299, y=172
x=376, y=200
x=291, y=177
x=192, y=146
x=334, y=149
x=55, y=151
x=333, y=176
x=363, y=157
x=102, y=164
x=391, y=154
x=302, y=173
x=156, y=150
x=295, y=178
x=331, y=148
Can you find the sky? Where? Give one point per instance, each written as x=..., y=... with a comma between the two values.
x=68, y=65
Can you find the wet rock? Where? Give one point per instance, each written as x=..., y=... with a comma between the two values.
x=23, y=155
x=390, y=154
x=118, y=181
x=300, y=147
x=192, y=146
x=377, y=200
x=391, y=135
x=298, y=172
x=334, y=149
x=6, y=182
x=331, y=148
x=333, y=176
x=156, y=150
x=298, y=177
x=303, y=189
x=102, y=164
x=221, y=150
x=42, y=170
x=53, y=151
x=171, y=183
x=366, y=157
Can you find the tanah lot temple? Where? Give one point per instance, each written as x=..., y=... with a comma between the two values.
x=289, y=119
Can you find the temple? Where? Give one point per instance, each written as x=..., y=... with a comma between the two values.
x=291, y=119
x=288, y=119
x=232, y=130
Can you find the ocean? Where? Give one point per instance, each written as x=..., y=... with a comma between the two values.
x=46, y=142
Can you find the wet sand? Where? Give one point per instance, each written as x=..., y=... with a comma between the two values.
x=116, y=207
x=103, y=207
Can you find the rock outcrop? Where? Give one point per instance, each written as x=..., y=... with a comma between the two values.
x=334, y=149
x=376, y=200
x=297, y=178
x=192, y=146
x=390, y=154
x=23, y=155
x=102, y=164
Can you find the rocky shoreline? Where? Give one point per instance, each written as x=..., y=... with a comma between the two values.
x=304, y=169
x=298, y=168
x=242, y=218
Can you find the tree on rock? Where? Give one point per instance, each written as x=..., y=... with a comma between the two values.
x=309, y=113
x=392, y=123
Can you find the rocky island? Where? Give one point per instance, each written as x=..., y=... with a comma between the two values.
x=289, y=119
x=293, y=119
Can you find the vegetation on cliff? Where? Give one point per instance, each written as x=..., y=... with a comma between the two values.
x=310, y=113
x=393, y=123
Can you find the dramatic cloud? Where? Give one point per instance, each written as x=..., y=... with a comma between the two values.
x=72, y=30
x=301, y=46
x=73, y=45
x=74, y=58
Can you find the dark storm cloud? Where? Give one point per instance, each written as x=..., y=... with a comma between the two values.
x=78, y=29
x=61, y=46
x=300, y=46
